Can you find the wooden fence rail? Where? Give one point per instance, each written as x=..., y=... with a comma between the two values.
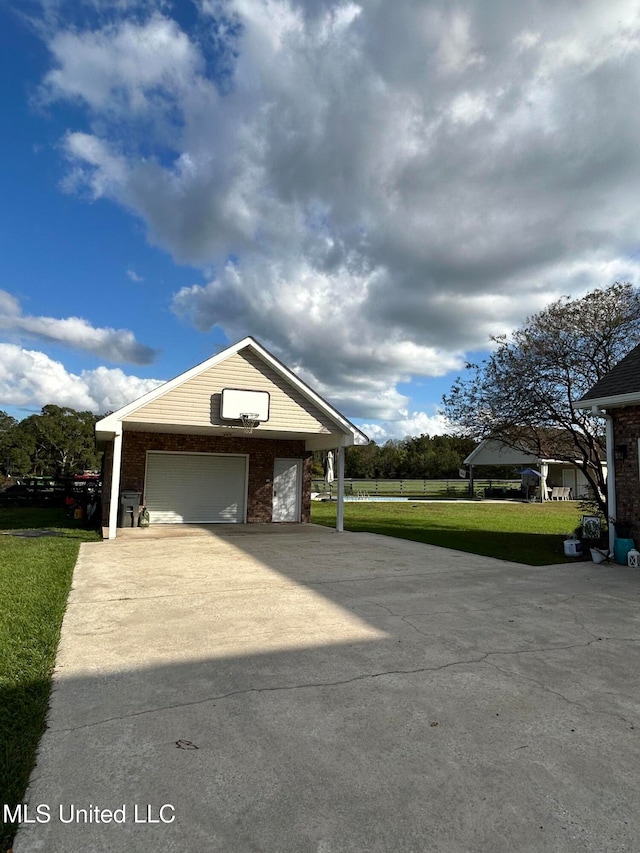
x=457, y=488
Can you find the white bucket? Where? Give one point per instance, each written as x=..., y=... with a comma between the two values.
x=572, y=548
x=597, y=556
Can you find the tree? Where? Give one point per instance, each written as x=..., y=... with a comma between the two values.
x=414, y=458
x=68, y=439
x=523, y=393
x=57, y=442
x=360, y=461
x=7, y=424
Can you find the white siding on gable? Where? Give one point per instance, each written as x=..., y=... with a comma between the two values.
x=197, y=401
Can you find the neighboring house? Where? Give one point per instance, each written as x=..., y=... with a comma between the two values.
x=616, y=397
x=185, y=449
x=554, y=472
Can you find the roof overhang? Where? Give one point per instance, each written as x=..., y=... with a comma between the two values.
x=345, y=434
x=498, y=448
x=616, y=401
x=312, y=440
x=514, y=456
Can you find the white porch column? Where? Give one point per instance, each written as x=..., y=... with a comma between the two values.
x=544, y=470
x=612, y=509
x=340, y=505
x=114, y=499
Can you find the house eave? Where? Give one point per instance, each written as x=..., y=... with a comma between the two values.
x=346, y=433
x=313, y=440
x=615, y=401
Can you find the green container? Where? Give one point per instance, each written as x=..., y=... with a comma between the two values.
x=621, y=548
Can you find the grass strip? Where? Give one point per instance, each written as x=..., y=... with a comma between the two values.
x=35, y=579
x=519, y=532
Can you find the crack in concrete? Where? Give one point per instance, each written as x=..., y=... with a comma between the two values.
x=310, y=583
x=406, y=618
x=184, y=594
x=546, y=689
x=397, y=573
x=483, y=658
x=277, y=689
x=402, y=618
x=539, y=684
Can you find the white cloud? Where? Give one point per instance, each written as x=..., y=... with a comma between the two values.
x=122, y=69
x=395, y=182
x=408, y=423
x=32, y=379
x=324, y=318
x=73, y=332
x=455, y=52
x=111, y=388
x=133, y=275
x=468, y=108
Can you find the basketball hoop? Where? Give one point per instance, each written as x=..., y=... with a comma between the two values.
x=249, y=422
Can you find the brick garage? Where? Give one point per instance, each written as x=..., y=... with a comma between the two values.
x=261, y=452
x=259, y=477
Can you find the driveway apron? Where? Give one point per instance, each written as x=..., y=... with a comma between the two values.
x=292, y=689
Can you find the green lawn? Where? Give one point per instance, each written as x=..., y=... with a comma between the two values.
x=520, y=532
x=35, y=577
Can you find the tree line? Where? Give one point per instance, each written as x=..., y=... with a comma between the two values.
x=60, y=441
x=421, y=457
x=414, y=457
x=56, y=442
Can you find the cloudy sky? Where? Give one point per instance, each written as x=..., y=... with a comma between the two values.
x=372, y=189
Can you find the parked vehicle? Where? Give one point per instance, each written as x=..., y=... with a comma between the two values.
x=34, y=491
x=78, y=494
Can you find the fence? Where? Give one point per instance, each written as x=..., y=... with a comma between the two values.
x=453, y=488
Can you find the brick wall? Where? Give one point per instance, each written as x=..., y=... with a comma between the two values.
x=262, y=453
x=626, y=431
x=107, y=467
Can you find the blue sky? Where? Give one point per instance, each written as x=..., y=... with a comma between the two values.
x=370, y=189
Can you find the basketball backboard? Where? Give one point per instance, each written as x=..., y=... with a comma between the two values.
x=242, y=401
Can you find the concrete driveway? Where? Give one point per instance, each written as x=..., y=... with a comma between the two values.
x=292, y=689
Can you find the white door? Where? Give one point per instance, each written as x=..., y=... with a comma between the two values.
x=196, y=488
x=287, y=491
x=569, y=479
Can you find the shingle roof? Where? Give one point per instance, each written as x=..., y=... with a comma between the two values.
x=624, y=378
x=559, y=444
x=543, y=443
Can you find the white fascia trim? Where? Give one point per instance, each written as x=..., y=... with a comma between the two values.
x=632, y=399
x=474, y=452
x=540, y=459
x=471, y=457
x=340, y=421
x=108, y=426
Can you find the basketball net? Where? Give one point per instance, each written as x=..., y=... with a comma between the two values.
x=249, y=422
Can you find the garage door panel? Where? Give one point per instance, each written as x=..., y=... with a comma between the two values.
x=195, y=488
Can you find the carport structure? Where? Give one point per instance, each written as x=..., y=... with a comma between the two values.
x=555, y=462
x=229, y=440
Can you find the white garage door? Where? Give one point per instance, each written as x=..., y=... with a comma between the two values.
x=197, y=488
